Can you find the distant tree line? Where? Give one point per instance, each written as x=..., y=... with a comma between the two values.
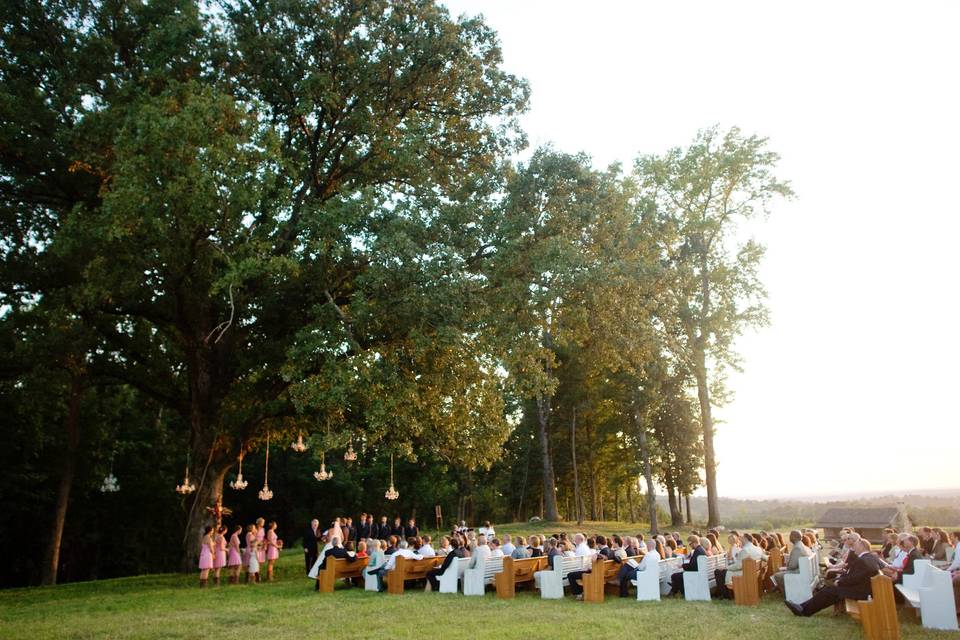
x=232, y=221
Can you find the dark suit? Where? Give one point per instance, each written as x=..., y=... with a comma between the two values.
x=332, y=552
x=310, y=549
x=363, y=531
x=908, y=566
x=854, y=584
x=383, y=531
x=411, y=531
x=676, y=580
x=434, y=574
x=397, y=530
x=347, y=533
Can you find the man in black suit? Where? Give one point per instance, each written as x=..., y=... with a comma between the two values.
x=855, y=584
x=456, y=551
x=310, y=543
x=397, y=528
x=676, y=580
x=411, y=530
x=383, y=530
x=363, y=528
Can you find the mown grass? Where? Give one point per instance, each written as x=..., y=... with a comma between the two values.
x=172, y=606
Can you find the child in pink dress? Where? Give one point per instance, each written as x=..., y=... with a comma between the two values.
x=261, y=544
x=273, y=549
x=206, y=555
x=250, y=552
x=219, y=554
x=234, y=559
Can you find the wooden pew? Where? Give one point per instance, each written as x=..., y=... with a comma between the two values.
x=878, y=615
x=515, y=572
x=340, y=568
x=601, y=573
x=407, y=569
x=774, y=564
x=747, y=587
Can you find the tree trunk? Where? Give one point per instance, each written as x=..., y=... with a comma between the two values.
x=633, y=513
x=51, y=563
x=647, y=470
x=686, y=499
x=549, y=508
x=208, y=490
x=703, y=395
x=676, y=518
x=577, y=501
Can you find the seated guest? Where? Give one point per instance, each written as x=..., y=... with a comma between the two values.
x=444, y=549
x=361, y=549
x=672, y=547
x=697, y=550
x=520, y=551
x=403, y=551
x=553, y=549
x=798, y=551
x=733, y=550
x=480, y=551
x=855, y=584
x=425, y=549
x=377, y=557
x=724, y=577
x=336, y=550
x=940, y=545
x=630, y=569
x=909, y=544
x=508, y=545
x=536, y=546
x=714, y=543
x=582, y=549
x=456, y=551
x=392, y=543
x=926, y=541
x=602, y=547
x=889, y=550
x=954, y=569
x=707, y=546
x=495, y=550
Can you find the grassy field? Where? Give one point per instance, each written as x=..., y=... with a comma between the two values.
x=172, y=606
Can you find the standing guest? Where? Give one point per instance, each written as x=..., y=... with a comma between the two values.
x=363, y=527
x=253, y=561
x=219, y=554
x=508, y=545
x=487, y=529
x=397, y=529
x=676, y=580
x=261, y=544
x=456, y=551
x=234, y=558
x=310, y=537
x=273, y=549
x=383, y=529
x=411, y=530
x=206, y=554
x=335, y=530
x=855, y=584
x=249, y=546
x=347, y=529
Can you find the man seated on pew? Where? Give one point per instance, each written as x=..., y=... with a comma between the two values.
x=602, y=548
x=676, y=580
x=797, y=552
x=480, y=552
x=392, y=542
x=456, y=551
x=724, y=577
x=854, y=584
x=508, y=547
x=495, y=550
x=426, y=549
x=911, y=553
x=630, y=568
x=336, y=550
x=403, y=550
x=581, y=550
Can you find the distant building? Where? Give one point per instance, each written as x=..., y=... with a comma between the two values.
x=868, y=522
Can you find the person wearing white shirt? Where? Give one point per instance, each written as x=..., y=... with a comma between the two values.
x=486, y=530
x=495, y=550
x=725, y=576
x=426, y=550
x=580, y=546
x=402, y=550
x=508, y=546
x=480, y=552
x=628, y=572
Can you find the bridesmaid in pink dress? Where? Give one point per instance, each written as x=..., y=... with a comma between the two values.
x=273, y=549
x=261, y=544
x=206, y=555
x=250, y=552
x=234, y=559
x=219, y=554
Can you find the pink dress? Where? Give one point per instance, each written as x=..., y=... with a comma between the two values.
x=206, y=556
x=261, y=546
x=272, y=551
x=220, y=552
x=248, y=547
x=233, y=556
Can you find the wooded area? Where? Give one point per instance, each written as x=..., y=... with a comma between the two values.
x=231, y=220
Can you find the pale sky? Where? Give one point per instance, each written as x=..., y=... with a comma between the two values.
x=862, y=101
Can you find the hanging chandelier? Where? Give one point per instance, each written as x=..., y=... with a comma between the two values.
x=299, y=445
x=266, y=493
x=187, y=486
x=239, y=484
x=391, y=494
x=110, y=484
x=350, y=455
x=323, y=474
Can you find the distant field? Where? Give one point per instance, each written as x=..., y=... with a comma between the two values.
x=172, y=607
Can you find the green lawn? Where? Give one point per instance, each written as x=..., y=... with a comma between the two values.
x=172, y=606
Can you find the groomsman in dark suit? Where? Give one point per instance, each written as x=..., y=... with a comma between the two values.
x=397, y=528
x=310, y=549
x=411, y=530
x=363, y=528
x=862, y=565
x=383, y=531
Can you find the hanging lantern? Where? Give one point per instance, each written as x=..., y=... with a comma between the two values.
x=299, y=445
x=323, y=474
x=187, y=486
x=350, y=455
x=239, y=484
x=110, y=484
x=391, y=494
x=266, y=493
